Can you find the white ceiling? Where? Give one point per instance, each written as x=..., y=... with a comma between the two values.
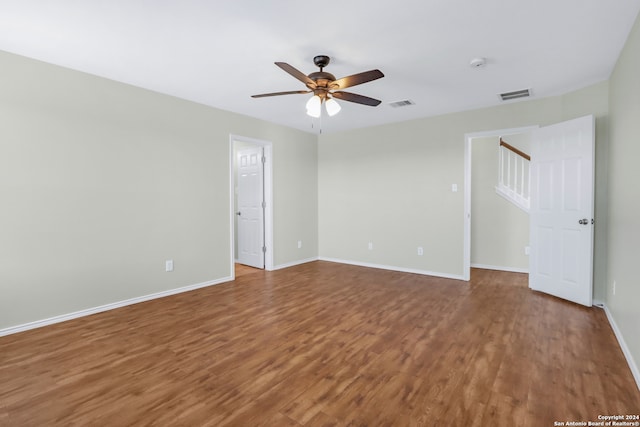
x=221, y=52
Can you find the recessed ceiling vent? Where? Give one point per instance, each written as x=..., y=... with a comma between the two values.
x=404, y=103
x=507, y=96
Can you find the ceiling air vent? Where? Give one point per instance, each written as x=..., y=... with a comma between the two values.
x=404, y=103
x=507, y=96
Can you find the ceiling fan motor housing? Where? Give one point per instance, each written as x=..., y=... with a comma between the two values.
x=321, y=78
x=321, y=61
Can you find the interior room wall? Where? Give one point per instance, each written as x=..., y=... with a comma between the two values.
x=624, y=195
x=391, y=185
x=295, y=196
x=101, y=182
x=499, y=229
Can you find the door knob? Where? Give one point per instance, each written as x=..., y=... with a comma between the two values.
x=238, y=213
x=583, y=221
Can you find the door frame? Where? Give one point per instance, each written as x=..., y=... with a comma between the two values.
x=268, y=198
x=468, y=140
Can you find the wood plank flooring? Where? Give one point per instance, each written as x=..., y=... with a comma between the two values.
x=324, y=344
x=243, y=270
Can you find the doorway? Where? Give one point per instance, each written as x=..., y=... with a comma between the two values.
x=499, y=204
x=252, y=235
x=469, y=140
x=562, y=208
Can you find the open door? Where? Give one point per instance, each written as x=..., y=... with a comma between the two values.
x=251, y=207
x=562, y=212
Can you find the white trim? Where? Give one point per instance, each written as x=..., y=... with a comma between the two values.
x=500, y=268
x=294, y=263
x=89, y=311
x=466, y=250
x=513, y=198
x=268, y=195
x=232, y=204
x=394, y=268
x=468, y=137
x=623, y=345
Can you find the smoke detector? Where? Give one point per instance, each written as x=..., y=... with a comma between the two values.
x=478, y=62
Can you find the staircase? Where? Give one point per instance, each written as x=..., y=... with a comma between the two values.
x=513, y=176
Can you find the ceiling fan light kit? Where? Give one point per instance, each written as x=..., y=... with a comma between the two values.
x=332, y=107
x=313, y=106
x=325, y=87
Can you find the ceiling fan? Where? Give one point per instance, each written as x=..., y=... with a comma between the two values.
x=326, y=87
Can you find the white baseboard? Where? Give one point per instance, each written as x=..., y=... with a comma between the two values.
x=89, y=311
x=623, y=345
x=497, y=267
x=293, y=263
x=394, y=268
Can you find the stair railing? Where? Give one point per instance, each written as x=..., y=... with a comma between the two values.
x=513, y=175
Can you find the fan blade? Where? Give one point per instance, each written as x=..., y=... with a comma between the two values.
x=358, y=79
x=291, y=92
x=358, y=99
x=297, y=74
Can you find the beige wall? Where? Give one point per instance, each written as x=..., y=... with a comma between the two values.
x=102, y=182
x=298, y=197
x=624, y=194
x=391, y=184
x=499, y=229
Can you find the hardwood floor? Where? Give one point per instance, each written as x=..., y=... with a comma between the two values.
x=243, y=270
x=324, y=344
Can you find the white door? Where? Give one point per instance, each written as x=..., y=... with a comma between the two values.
x=561, y=213
x=250, y=207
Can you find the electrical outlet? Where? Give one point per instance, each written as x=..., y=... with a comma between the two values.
x=168, y=265
x=420, y=250
x=370, y=246
x=527, y=250
x=454, y=188
x=614, y=287
x=299, y=244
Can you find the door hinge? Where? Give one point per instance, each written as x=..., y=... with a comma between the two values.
x=264, y=249
x=264, y=160
x=264, y=204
